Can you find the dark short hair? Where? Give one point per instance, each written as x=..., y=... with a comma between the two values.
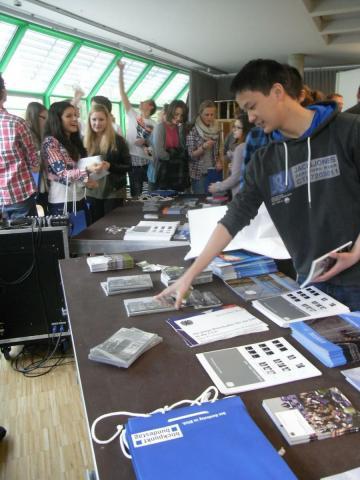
x=54, y=128
x=171, y=108
x=261, y=74
x=100, y=100
x=154, y=107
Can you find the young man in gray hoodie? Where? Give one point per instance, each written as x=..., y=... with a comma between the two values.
x=308, y=176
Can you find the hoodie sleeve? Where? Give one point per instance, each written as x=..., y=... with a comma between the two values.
x=245, y=204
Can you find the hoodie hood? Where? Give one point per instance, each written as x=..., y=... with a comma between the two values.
x=324, y=113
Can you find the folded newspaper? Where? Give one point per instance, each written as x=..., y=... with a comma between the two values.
x=124, y=347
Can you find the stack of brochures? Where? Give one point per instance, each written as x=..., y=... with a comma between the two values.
x=314, y=415
x=182, y=232
x=170, y=274
x=224, y=322
x=174, y=209
x=115, y=261
x=256, y=365
x=198, y=299
x=211, y=441
x=303, y=304
x=352, y=375
x=124, y=347
x=333, y=340
x=151, y=231
x=131, y=283
x=240, y=263
x=262, y=286
x=148, y=305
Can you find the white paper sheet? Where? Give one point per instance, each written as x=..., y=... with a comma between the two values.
x=260, y=236
x=85, y=162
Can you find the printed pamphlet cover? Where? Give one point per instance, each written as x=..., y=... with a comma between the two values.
x=335, y=339
x=262, y=286
x=313, y=415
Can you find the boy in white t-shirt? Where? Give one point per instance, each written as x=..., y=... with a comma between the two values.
x=139, y=129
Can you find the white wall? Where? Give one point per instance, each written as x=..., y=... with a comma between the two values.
x=347, y=83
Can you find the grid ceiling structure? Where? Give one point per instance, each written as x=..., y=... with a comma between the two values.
x=40, y=64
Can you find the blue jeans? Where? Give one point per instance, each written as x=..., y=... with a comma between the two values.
x=21, y=209
x=199, y=186
x=349, y=295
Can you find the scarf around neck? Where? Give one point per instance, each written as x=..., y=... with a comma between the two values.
x=207, y=132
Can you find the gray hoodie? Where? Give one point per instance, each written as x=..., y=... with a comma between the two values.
x=316, y=216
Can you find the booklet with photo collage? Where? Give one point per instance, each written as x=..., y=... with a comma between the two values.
x=314, y=415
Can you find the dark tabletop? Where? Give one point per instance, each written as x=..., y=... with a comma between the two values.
x=170, y=371
x=95, y=239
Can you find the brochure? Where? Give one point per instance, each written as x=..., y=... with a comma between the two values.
x=262, y=286
x=298, y=305
x=151, y=231
x=148, y=305
x=249, y=367
x=323, y=264
x=85, y=162
x=333, y=340
x=217, y=324
x=314, y=415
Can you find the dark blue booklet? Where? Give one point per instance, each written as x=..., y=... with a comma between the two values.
x=333, y=340
x=210, y=441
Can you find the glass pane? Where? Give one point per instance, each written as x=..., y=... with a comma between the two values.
x=133, y=69
x=7, y=31
x=151, y=83
x=17, y=105
x=35, y=62
x=84, y=71
x=174, y=87
x=184, y=95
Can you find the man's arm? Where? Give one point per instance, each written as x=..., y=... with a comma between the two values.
x=343, y=261
x=217, y=242
x=123, y=96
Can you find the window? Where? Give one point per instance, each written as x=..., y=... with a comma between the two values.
x=173, y=89
x=84, y=71
x=150, y=84
x=184, y=96
x=132, y=71
x=7, y=31
x=35, y=61
x=17, y=105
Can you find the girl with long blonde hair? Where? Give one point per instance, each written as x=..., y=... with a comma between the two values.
x=101, y=139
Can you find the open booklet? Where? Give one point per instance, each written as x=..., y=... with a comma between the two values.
x=85, y=162
x=322, y=264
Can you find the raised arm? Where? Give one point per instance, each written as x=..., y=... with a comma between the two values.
x=123, y=96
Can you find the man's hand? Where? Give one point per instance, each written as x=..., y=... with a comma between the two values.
x=212, y=188
x=180, y=288
x=91, y=183
x=140, y=142
x=343, y=261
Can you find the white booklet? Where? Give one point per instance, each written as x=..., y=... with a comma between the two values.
x=85, y=162
x=322, y=264
x=212, y=325
x=151, y=231
x=299, y=305
x=249, y=367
